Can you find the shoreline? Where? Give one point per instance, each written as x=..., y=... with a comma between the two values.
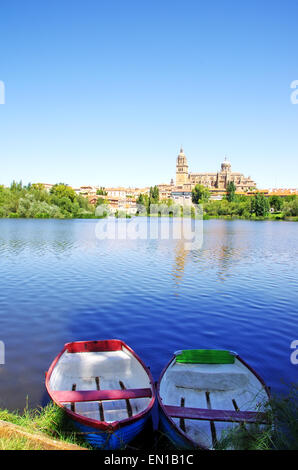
x=128, y=216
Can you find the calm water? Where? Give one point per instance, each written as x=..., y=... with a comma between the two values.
x=59, y=283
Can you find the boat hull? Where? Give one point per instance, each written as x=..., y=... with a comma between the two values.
x=115, y=440
x=173, y=434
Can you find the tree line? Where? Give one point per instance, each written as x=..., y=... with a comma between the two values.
x=34, y=201
x=249, y=207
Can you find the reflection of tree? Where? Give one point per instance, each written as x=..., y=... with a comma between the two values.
x=225, y=260
x=180, y=260
x=227, y=253
x=224, y=244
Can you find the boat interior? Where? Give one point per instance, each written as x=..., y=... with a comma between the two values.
x=193, y=392
x=117, y=372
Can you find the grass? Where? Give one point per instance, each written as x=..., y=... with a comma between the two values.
x=50, y=421
x=53, y=422
x=282, y=412
x=17, y=443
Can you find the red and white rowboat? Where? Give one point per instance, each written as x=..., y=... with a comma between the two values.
x=105, y=388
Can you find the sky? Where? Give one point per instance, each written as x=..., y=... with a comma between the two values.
x=104, y=92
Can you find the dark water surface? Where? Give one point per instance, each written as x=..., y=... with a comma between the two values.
x=59, y=283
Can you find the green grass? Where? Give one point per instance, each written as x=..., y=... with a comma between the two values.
x=282, y=435
x=17, y=443
x=51, y=421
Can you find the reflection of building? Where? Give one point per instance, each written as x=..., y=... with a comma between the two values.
x=219, y=180
x=180, y=261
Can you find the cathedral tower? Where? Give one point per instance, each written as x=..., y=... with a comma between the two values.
x=181, y=169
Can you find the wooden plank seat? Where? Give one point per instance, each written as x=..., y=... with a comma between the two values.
x=68, y=396
x=216, y=415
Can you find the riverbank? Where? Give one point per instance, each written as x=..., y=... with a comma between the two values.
x=271, y=217
x=49, y=428
x=40, y=429
x=14, y=437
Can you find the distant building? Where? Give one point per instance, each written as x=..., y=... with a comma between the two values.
x=218, y=180
x=86, y=190
x=47, y=186
x=181, y=197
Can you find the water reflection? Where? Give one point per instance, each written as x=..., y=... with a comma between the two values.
x=222, y=252
x=180, y=260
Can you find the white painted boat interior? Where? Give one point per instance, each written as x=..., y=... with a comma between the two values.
x=211, y=386
x=110, y=370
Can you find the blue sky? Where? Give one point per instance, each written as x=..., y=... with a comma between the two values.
x=105, y=92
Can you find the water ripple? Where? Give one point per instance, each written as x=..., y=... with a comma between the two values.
x=59, y=283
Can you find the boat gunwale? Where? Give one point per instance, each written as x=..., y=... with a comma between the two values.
x=94, y=423
x=170, y=420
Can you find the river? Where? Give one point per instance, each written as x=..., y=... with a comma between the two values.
x=61, y=282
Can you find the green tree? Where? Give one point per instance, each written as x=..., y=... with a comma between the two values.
x=231, y=189
x=276, y=203
x=61, y=190
x=154, y=195
x=35, y=202
x=291, y=207
x=101, y=192
x=259, y=205
x=101, y=201
x=200, y=194
x=140, y=200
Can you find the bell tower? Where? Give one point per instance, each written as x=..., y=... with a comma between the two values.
x=181, y=169
x=224, y=176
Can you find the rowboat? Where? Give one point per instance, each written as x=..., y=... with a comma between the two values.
x=105, y=388
x=203, y=393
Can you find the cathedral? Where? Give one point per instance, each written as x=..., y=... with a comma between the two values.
x=219, y=180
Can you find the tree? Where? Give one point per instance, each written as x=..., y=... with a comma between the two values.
x=101, y=192
x=291, y=207
x=100, y=201
x=200, y=194
x=140, y=200
x=259, y=205
x=231, y=189
x=154, y=194
x=63, y=190
x=276, y=203
x=142, y=204
x=33, y=201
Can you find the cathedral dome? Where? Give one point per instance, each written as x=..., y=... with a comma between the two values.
x=226, y=165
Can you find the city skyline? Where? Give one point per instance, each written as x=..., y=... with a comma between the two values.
x=170, y=181
x=105, y=93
